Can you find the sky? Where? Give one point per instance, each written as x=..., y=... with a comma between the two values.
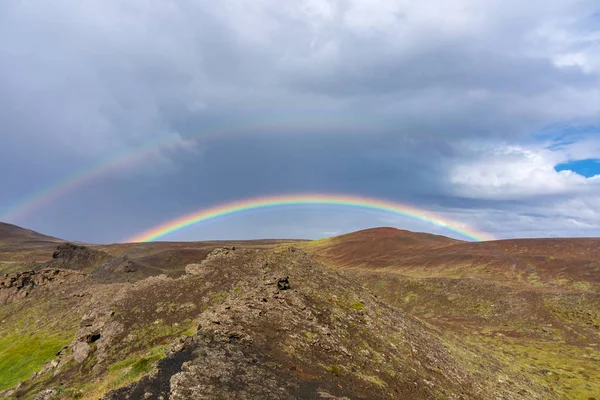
x=134, y=113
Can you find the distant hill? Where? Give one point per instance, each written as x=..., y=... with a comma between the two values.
x=376, y=247
x=12, y=234
x=19, y=245
x=515, y=260
x=386, y=237
x=23, y=249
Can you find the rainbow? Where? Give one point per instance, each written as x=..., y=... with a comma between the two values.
x=86, y=175
x=206, y=214
x=127, y=158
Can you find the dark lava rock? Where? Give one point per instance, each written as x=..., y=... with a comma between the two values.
x=284, y=283
x=73, y=256
x=20, y=284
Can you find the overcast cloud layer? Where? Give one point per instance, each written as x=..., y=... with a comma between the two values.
x=461, y=107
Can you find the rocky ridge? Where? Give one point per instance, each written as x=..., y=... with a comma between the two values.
x=318, y=335
x=21, y=284
x=253, y=324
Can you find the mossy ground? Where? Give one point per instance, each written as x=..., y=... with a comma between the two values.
x=8, y=267
x=20, y=356
x=31, y=333
x=550, y=339
x=117, y=375
x=571, y=371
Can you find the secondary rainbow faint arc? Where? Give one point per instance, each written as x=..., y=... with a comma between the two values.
x=405, y=210
x=87, y=174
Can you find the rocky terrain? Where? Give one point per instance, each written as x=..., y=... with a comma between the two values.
x=360, y=316
x=532, y=303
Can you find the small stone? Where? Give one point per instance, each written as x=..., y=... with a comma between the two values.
x=283, y=283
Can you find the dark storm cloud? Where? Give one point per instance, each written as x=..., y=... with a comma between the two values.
x=378, y=98
x=442, y=68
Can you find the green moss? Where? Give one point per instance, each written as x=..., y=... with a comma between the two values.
x=381, y=284
x=118, y=374
x=373, y=379
x=390, y=371
x=220, y=296
x=313, y=243
x=358, y=306
x=409, y=297
x=20, y=356
x=335, y=370
x=134, y=366
x=10, y=267
x=534, y=279
x=484, y=308
x=571, y=371
x=31, y=333
x=583, y=286
x=159, y=332
x=310, y=335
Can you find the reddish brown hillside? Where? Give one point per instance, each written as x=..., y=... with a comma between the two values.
x=376, y=247
x=14, y=234
x=576, y=259
x=554, y=261
x=18, y=245
x=385, y=237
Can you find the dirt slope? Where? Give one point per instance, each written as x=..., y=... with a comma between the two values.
x=12, y=234
x=549, y=262
x=19, y=246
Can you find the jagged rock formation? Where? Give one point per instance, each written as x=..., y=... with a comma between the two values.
x=22, y=284
x=99, y=264
x=73, y=256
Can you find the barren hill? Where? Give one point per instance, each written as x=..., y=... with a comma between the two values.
x=554, y=261
x=19, y=245
x=12, y=234
x=376, y=247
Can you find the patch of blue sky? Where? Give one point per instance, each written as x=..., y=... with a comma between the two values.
x=565, y=133
x=588, y=167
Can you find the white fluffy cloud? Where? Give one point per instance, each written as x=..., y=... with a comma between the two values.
x=515, y=172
